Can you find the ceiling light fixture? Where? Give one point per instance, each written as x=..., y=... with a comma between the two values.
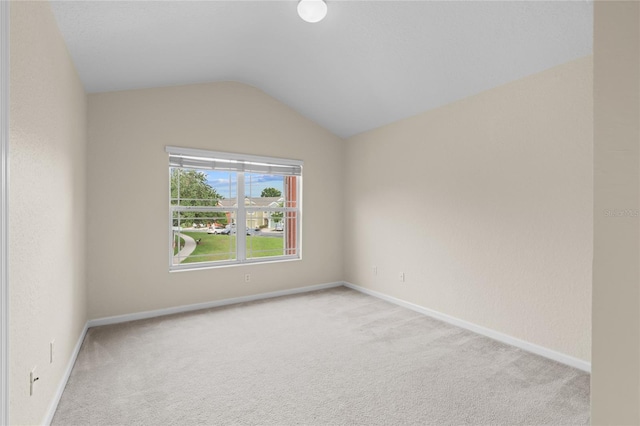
x=312, y=10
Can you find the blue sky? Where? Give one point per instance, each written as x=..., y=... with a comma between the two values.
x=224, y=183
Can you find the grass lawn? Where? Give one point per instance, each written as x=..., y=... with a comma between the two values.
x=214, y=247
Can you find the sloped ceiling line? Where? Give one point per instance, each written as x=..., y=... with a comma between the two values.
x=368, y=63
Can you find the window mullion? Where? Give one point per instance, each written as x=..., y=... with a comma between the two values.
x=241, y=222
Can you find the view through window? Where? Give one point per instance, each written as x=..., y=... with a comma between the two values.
x=232, y=208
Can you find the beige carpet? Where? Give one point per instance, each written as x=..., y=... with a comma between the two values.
x=333, y=357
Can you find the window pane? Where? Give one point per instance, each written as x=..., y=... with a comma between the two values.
x=224, y=183
x=204, y=188
x=264, y=244
x=290, y=231
x=200, y=246
x=203, y=237
x=291, y=184
x=263, y=189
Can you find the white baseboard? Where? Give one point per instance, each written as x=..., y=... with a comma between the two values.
x=65, y=378
x=495, y=335
x=206, y=305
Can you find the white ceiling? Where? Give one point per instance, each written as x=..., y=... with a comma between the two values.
x=368, y=63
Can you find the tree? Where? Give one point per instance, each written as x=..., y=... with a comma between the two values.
x=271, y=192
x=190, y=188
x=277, y=216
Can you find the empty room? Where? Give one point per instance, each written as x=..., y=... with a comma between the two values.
x=320, y=212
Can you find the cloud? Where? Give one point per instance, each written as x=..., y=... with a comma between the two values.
x=225, y=183
x=264, y=178
x=219, y=181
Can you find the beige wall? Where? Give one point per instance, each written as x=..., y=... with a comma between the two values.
x=128, y=198
x=47, y=208
x=486, y=206
x=615, y=397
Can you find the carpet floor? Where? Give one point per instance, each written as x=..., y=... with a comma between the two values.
x=331, y=357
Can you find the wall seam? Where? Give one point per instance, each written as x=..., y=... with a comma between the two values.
x=4, y=212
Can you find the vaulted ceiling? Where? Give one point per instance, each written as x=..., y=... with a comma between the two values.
x=368, y=63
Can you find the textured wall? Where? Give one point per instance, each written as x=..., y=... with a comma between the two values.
x=486, y=206
x=616, y=277
x=128, y=197
x=47, y=208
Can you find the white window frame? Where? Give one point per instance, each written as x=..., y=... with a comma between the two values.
x=189, y=158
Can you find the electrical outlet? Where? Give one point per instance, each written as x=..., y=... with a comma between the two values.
x=401, y=277
x=51, y=351
x=32, y=380
x=375, y=270
x=247, y=278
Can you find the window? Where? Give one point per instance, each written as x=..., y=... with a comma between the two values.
x=232, y=208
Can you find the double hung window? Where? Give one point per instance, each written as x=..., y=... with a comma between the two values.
x=232, y=208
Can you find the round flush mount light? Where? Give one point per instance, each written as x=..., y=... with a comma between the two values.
x=312, y=10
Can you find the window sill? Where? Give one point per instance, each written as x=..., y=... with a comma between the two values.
x=197, y=267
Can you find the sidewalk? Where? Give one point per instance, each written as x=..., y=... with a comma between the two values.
x=189, y=247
